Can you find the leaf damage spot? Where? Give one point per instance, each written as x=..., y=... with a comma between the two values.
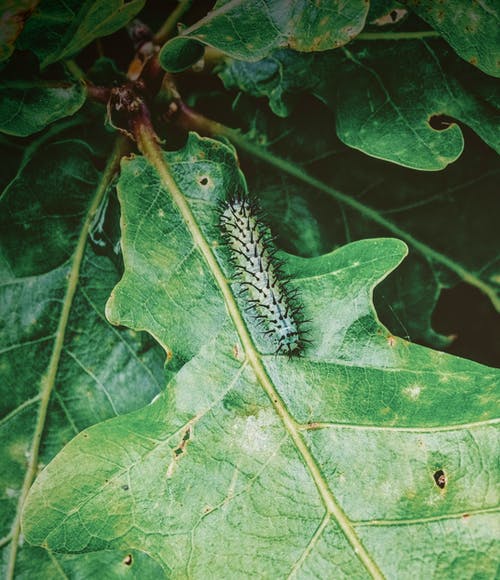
x=183, y=444
x=391, y=340
x=313, y=425
x=412, y=392
x=440, y=478
x=237, y=353
x=179, y=451
x=254, y=433
x=128, y=560
x=441, y=122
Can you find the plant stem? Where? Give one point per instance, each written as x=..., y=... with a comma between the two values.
x=169, y=25
x=192, y=120
x=398, y=35
x=74, y=69
x=49, y=379
x=148, y=144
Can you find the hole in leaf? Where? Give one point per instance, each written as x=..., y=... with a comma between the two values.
x=441, y=122
x=440, y=478
x=203, y=181
x=128, y=560
x=182, y=446
x=125, y=487
x=391, y=17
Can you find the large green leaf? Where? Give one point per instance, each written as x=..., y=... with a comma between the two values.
x=265, y=466
x=384, y=96
x=250, y=30
x=59, y=29
x=102, y=372
x=471, y=28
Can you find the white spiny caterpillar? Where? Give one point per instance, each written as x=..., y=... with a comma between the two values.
x=260, y=274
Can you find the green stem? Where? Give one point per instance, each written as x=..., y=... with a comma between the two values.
x=147, y=142
x=192, y=120
x=398, y=35
x=75, y=70
x=48, y=380
x=169, y=25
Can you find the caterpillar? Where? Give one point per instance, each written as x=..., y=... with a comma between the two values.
x=260, y=274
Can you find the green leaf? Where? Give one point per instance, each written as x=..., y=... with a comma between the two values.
x=14, y=13
x=92, y=384
x=263, y=466
x=379, y=107
x=251, y=30
x=471, y=29
x=59, y=29
x=29, y=105
x=34, y=222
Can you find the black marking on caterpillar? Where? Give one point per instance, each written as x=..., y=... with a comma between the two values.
x=270, y=300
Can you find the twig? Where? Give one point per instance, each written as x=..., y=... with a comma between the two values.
x=168, y=27
x=397, y=35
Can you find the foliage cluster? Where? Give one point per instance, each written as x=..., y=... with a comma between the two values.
x=368, y=131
